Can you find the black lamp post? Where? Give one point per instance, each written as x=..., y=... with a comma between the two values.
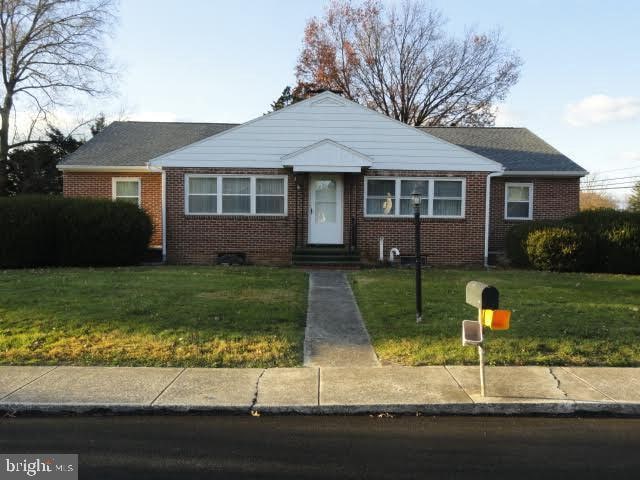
x=416, y=199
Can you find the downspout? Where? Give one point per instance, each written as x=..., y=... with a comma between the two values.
x=164, y=216
x=487, y=215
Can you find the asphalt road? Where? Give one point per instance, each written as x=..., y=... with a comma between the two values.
x=299, y=447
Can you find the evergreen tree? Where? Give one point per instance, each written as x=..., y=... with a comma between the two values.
x=34, y=169
x=634, y=199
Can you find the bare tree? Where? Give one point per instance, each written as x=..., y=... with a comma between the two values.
x=49, y=48
x=596, y=200
x=399, y=61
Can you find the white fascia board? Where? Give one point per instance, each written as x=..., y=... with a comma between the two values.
x=102, y=168
x=436, y=167
x=213, y=164
x=549, y=173
x=326, y=169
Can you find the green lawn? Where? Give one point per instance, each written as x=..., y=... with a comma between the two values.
x=559, y=319
x=160, y=316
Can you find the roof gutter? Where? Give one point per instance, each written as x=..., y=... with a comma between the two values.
x=545, y=173
x=487, y=214
x=101, y=168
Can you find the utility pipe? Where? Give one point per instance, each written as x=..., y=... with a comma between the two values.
x=487, y=215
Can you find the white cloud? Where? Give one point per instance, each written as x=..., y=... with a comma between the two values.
x=598, y=109
x=507, y=116
x=147, y=116
x=630, y=156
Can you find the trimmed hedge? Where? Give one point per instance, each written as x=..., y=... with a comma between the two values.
x=562, y=249
x=593, y=241
x=516, y=242
x=37, y=231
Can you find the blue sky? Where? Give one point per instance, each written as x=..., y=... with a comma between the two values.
x=223, y=61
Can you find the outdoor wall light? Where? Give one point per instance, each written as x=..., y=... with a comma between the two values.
x=416, y=199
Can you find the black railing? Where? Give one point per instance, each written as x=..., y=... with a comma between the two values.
x=353, y=240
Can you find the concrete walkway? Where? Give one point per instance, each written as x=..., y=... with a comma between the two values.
x=406, y=390
x=335, y=335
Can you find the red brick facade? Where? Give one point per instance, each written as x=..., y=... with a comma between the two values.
x=100, y=185
x=444, y=241
x=553, y=198
x=198, y=239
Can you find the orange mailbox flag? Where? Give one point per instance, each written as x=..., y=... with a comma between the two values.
x=496, y=319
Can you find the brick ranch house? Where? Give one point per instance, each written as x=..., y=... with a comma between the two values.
x=325, y=172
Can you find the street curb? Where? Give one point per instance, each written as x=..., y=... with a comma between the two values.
x=565, y=408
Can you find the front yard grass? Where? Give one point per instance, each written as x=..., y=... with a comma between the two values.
x=558, y=319
x=153, y=316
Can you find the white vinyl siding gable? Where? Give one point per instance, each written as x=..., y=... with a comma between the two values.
x=267, y=141
x=394, y=193
x=518, y=201
x=258, y=195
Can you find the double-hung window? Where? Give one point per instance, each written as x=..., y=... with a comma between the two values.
x=203, y=194
x=270, y=196
x=447, y=198
x=381, y=196
x=126, y=190
x=391, y=196
x=518, y=201
x=407, y=187
x=235, y=195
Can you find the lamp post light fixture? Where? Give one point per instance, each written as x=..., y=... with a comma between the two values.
x=416, y=200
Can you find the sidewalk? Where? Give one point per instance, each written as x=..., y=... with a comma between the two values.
x=330, y=390
x=339, y=339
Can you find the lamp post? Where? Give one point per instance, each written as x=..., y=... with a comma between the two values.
x=416, y=200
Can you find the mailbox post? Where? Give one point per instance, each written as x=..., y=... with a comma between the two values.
x=484, y=298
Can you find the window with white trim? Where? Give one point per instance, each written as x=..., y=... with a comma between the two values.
x=447, y=198
x=391, y=196
x=203, y=194
x=235, y=195
x=518, y=201
x=126, y=190
x=270, y=198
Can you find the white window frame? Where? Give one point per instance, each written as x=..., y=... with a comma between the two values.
x=429, y=213
x=219, y=194
x=186, y=192
x=506, y=200
x=115, y=180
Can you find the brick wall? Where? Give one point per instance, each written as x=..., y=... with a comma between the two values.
x=100, y=184
x=445, y=241
x=553, y=198
x=198, y=239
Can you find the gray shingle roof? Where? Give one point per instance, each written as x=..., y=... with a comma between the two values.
x=516, y=148
x=135, y=143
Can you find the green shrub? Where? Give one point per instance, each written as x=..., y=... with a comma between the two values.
x=28, y=231
x=102, y=232
x=516, y=241
x=562, y=248
x=55, y=231
x=610, y=241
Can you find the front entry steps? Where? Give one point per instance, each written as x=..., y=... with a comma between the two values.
x=326, y=255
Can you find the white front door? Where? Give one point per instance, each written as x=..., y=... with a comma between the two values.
x=325, y=209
